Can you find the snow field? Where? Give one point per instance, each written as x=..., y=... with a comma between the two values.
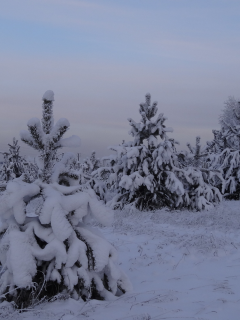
x=183, y=265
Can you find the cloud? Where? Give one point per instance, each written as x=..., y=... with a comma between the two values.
x=203, y=33
x=100, y=58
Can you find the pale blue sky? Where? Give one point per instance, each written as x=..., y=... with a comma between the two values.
x=101, y=57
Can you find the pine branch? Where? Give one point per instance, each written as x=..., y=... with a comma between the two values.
x=38, y=145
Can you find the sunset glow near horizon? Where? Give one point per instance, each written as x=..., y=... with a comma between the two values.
x=101, y=57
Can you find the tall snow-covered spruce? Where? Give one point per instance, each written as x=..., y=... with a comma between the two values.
x=46, y=247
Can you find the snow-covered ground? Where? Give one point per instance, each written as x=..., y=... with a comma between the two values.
x=183, y=265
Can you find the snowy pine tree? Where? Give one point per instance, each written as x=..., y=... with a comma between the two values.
x=218, y=144
x=46, y=248
x=134, y=172
x=197, y=154
x=228, y=163
x=225, y=150
x=30, y=171
x=94, y=162
x=89, y=167
x=13, y=164
x=202, y=180
x=230, y=124
x=146, y=172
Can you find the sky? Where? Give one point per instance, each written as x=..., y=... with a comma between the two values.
x=101, y=57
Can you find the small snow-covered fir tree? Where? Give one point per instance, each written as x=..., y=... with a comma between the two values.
x=203, y=180
x=13, y=164
x=30, y=170
x=88, y=166
x=224, y=149
x=146, y=172
x=228, y=156
x=94, y=162
x=230, y=124
x=197, y=154
x=131, y=172
x=228, y=163
x=46, y=248
x=218, y=144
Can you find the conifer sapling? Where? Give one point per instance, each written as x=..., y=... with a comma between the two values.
x=46, y=248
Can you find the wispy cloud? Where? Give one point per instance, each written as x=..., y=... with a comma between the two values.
x=101, y=57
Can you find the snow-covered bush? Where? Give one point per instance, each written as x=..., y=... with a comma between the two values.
x=46, y=246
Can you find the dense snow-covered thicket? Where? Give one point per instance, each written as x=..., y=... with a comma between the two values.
x=46, y=246
x=146, y=172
